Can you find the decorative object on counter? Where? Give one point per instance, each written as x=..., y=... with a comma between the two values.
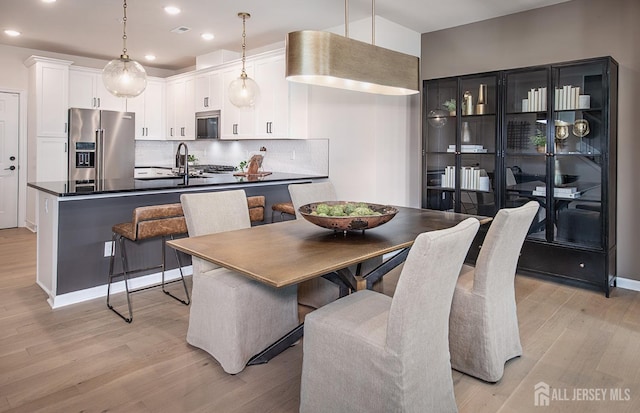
x=124, y=77
x=467, y=107
x=539, y=140
x=450, y=105
x=482, y=97
x=581, y=128
x=253, y=168
x=192, y=159
x=347, y=215
x=328, y=59
x=466, y=132
x=242, y=165
x=244, y=91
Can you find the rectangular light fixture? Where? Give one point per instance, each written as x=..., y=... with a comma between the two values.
x=327, y=59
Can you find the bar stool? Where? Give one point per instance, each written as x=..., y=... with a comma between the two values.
x=283, y=208
x=256, y=208
x=148, y=222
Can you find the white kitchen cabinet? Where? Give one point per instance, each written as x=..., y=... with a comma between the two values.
x=48, y=96
x=149, y=108
x=87, y=91
x=181, y=108
x=272, y=110
x=51, y=158
x=237, y=123
x=208, y=91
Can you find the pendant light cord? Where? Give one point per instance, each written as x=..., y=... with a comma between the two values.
x=244, y=43
x=124, y=30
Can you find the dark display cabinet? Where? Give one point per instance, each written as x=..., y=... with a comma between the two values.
x=546, y=133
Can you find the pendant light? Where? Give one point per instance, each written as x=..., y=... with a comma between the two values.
x=244, y=91
x=328, y=59
x=124, y=77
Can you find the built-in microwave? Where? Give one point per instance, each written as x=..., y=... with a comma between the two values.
x=208, y=125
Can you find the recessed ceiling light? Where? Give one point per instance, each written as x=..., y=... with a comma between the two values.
x=12, y=33
x=48, y=1
x=207, y=36
x=172, y=10
x=150, y=57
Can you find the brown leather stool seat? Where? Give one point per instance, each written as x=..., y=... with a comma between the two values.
x=283, y=208
x=256, y=208
x=157, y=221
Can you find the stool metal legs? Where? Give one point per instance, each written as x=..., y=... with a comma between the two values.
x=184, y=284
x=126, y=272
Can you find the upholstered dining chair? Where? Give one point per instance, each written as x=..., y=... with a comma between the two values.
x=232, y=317
x=366, y=352
x=320, y=291
x=483, y=327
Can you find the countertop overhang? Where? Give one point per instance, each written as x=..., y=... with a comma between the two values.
x=72, y=189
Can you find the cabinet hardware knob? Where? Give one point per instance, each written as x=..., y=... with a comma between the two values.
x=582, y=265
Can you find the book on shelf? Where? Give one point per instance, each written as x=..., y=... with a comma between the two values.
x=559, y=189
x=469, y=148
x=558, y=192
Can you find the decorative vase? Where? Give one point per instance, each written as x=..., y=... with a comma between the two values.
x=466, y=132
x=558, y=179
x=482, y=99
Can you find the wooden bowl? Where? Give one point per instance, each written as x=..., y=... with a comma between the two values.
x=348, y=223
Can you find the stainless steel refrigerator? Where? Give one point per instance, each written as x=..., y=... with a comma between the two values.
x=101, y=145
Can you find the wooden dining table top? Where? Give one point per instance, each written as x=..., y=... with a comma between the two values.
x=289, y=252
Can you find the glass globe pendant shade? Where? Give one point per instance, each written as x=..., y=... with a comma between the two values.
x=124, y=77
x=244, y=91
x=437, y=118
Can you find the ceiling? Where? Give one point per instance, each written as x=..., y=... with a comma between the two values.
x=93, y=28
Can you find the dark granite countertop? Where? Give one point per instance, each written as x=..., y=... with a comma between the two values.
x=114, y=186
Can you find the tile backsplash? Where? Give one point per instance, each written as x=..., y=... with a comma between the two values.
x=309, y=156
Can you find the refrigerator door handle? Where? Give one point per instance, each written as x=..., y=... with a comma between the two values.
x=100, y=154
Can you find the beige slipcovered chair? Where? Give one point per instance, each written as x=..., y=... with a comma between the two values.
x=368, y=352
x=483, y=331
x=232, y=317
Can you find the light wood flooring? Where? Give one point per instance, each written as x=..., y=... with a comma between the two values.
x=83, y=358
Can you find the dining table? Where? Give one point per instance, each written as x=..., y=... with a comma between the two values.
x=290, y=252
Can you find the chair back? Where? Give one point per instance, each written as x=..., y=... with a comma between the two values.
x=302, y=194
x=157, y=221
x=418, y=323
x=496, y=264
x=212, y=212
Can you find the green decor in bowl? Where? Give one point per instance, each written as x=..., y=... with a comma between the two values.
x=347, y=215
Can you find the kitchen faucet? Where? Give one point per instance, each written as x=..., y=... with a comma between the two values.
x=182, y=162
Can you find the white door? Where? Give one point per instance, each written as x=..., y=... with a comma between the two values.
x=8, y=160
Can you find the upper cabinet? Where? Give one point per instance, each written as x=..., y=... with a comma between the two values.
x=149, y=108
x=237, y=123
x=49, y=96
x=87, y=91
x=208, y=91
x=181, y=108
x=281, y=109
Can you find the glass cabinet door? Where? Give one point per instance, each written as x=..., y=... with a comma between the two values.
x=460, y=141
x=440, y=129
x=526, y=143
x=579, y=145
x=477, y=144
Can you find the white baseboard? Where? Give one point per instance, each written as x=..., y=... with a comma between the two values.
x=118, y=287
x=628, y=284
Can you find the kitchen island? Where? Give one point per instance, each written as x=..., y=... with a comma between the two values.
x=74, y=220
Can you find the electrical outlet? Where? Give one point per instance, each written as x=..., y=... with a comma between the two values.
x=108, y=248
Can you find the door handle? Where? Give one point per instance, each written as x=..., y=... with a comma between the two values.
x=11, y=168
